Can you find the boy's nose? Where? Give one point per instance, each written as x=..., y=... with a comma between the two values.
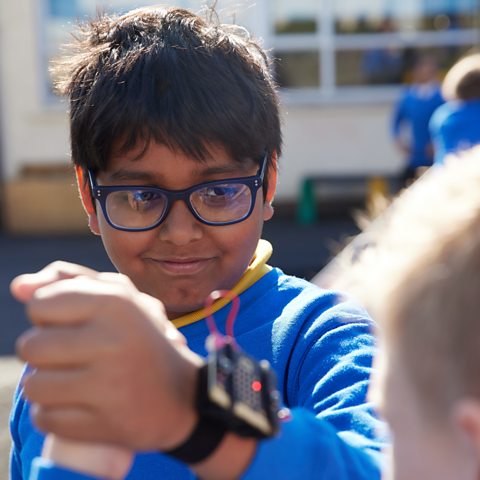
x=180, y=227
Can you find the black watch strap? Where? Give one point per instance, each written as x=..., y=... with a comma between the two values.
x=203, y=441
x=208, y=433
x=235, y=393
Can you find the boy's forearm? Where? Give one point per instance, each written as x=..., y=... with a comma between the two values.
x=230, y=459
x=306, y=447
x=309, y=447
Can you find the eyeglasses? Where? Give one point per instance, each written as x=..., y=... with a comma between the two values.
x=137, y=208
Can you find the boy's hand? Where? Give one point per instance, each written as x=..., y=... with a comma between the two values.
x=110, y=367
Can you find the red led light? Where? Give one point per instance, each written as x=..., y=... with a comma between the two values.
x=256, y=386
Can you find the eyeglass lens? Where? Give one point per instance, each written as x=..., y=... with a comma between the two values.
x=143, y=207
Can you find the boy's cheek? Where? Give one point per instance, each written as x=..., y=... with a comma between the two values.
x=125, y=246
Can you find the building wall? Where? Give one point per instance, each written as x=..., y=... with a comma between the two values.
x=38, y=195
x=33, y=132
x=338, y=139
x=324, y=137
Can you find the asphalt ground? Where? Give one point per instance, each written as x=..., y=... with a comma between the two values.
x=300, y=250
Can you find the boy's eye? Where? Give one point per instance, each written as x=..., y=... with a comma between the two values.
x=220, y=194
x=227, y=191
x=142, y=200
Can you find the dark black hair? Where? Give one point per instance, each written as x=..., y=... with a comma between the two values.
x=168, y=75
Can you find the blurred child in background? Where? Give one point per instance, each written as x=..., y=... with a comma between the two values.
x=411, y=115
x=455, y=125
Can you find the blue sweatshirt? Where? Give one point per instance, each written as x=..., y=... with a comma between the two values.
x=321, y=348
x=455, y=126
x=413, y=112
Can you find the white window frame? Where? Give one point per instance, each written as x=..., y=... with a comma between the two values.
x=325, y=41
x=50, y=101
x=328, y=43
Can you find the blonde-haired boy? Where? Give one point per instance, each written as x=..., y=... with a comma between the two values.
x=454, y=125
x=421, y=280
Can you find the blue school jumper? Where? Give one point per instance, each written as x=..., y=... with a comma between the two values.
x=321, y=347
x=455, y=126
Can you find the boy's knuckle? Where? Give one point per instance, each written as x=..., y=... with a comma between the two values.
x=44, y=419
x=31, y=309
x=124, y=279
x=26, y=347
x=57, y=265
x=20, y=348
x=115, y=278
x=30, y=389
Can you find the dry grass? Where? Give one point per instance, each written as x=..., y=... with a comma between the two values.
x=10, y=370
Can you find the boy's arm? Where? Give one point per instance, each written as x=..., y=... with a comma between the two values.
x=435, y=131
x=15, y=470
x=18, y=405
x=306, y=447
x=333, y=433
x=103, y=343
x=397, y=121
x=397, y=118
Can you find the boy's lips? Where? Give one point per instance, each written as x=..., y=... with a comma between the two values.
x=182, y=266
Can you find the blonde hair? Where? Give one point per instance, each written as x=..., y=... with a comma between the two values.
x=462, y=81
x=421, y=281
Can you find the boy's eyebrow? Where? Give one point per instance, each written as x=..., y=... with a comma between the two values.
x=130, y=175
x=147, y=176
x=229, y=168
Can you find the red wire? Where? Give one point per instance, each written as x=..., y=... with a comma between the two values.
x=232, y=314
x=208, y=305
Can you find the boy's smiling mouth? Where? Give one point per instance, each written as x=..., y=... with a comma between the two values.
x=182, y=265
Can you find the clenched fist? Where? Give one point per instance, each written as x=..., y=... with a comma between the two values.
x=108, y=364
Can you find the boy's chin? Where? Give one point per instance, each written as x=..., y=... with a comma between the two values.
x=176, y=311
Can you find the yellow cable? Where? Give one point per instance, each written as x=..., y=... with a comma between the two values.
x=256, y=270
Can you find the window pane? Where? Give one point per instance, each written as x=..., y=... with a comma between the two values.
x=62, y=9
x=361, y=16
x=60, y=20
x=297, y=69
x=295, y=16
x=389, y=66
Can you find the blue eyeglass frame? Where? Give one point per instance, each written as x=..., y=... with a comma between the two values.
x=101, y=192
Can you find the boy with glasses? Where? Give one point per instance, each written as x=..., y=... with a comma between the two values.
x=175, y=135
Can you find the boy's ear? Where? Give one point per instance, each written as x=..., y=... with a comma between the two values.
x=466, y=418
x=87, y=200
x=272, y=187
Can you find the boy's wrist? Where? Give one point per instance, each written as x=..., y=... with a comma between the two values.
x=205, y=438
x=230, y=460
x=227, y=403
